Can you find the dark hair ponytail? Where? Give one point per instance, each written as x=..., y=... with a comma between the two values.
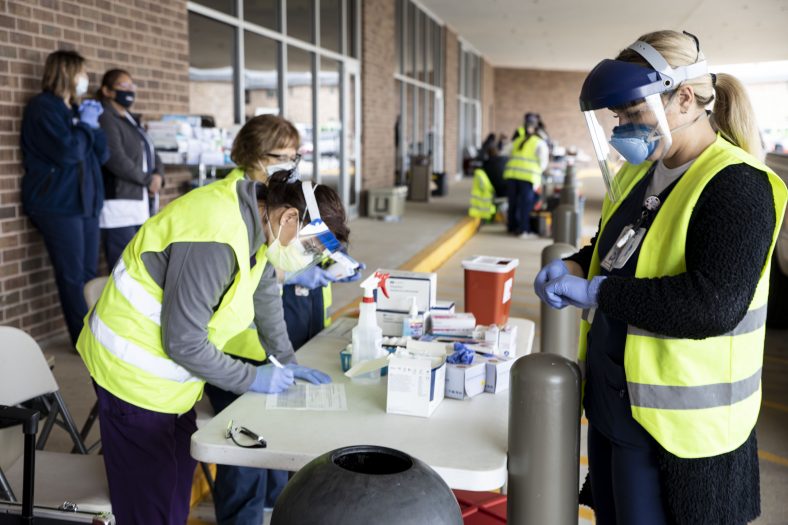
x=278, y=193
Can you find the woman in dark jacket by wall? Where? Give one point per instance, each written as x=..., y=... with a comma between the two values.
x=133, y=173
x=62, y=192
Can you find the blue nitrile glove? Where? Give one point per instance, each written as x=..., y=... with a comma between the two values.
x=462, y=355
x=569, y=289
x=271, y=379
x=356, y=276
x=314, y=376
x=314, y=277
x=90, y=111
x=552, y=270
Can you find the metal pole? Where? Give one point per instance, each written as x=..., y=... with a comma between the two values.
x=564, y=224
x=558, y=328
x=544, y=441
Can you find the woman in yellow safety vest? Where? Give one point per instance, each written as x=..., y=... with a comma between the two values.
x=673, y=289
x=265, y=146
x=195, y=275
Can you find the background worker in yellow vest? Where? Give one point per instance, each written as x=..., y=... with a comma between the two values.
x=194, y=276
x=674, y=288
x=523, y=175
x=267, y=146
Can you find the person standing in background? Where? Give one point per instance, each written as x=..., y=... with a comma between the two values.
x=63, y=149
x=133, y=175
x=523, y=175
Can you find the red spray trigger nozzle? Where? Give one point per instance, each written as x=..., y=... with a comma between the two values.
x=382, y=280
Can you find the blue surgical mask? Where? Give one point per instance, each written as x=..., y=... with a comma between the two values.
x=633, y=142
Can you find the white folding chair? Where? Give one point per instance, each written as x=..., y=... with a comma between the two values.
x=92, y=292
x=59, y=477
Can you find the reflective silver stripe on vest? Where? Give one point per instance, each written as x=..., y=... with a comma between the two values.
x=136, y=294
x=132, y=354
x=693, y=397
x=753, y=320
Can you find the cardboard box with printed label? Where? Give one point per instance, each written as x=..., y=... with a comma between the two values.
x=465, y=380
x=497, y=374
x=416, y=384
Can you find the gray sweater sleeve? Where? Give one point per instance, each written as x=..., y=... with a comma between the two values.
x=197, y=276
x=269, y=318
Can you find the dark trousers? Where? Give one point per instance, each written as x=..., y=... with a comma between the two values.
x=624, y=482
x=521, y=201
x=115, y=241
x=242, y=493
x=149, y=467
x=73, y=246
x=304, y=314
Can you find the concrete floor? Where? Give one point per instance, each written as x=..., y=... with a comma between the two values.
x=381, y=244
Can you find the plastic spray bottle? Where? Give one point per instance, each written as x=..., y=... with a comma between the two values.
x=367, y=335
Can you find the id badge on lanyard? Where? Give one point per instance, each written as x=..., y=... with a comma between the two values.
x=630, y=237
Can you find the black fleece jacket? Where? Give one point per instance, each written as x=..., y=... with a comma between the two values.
x=728, y=239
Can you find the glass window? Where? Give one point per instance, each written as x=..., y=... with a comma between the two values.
x=398, y=32
x=438, y=54
x=301, y=19
x=350, y=28
x=428, y=57
x=331, y=25
x=299, y=103
x=408, y=46
x=261, y=77
x=263, y=13
x=224, y=6
x=418, y=42
x=350, y=140
x=329, y=128
x=211, y=69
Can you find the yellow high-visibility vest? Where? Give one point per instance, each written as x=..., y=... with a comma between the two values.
x=697, y=398
x=121, y=342
x=524, y=162
x=482, y=196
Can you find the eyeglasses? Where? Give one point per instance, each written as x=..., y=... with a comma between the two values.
x=249, y=440
x=284, y=158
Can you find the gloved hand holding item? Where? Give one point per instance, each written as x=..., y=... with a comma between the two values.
x=552, y=270
x=314, y=277
x=314, y=376
x=90, y=111
x=356, y=276
x=271, y=379
x=572, y=290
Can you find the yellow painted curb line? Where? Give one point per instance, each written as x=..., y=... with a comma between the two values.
x=587, y=514
x=773, y=458
x=430, y=258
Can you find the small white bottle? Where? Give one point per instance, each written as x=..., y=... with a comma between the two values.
x=413, y=324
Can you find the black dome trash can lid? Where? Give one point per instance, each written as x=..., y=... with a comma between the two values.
x=366, y=485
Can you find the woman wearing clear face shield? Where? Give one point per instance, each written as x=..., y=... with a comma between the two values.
x=195, y=275
x=673, y=289
x=62, y=190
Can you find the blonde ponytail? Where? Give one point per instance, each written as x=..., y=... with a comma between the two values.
x=734, y=117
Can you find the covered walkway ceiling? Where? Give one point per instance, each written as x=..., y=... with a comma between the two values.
x=576, y=34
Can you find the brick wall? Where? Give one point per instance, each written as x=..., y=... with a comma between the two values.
x=451, y=106
x=379, y=98
x=553, y=94
x=147, y=37
x=488, y=98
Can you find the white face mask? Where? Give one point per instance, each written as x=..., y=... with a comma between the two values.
x=282, y=166
x=82, y=85
x=290, y=258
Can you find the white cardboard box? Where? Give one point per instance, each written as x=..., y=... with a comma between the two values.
x=403, y=285
x=416, y=385
x=497, y=374
x=465, y=380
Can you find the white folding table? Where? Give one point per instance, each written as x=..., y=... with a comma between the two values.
x=464, y=441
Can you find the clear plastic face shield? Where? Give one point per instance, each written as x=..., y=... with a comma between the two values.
x=314, y=240
x=634, y=132
x=625, y=106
